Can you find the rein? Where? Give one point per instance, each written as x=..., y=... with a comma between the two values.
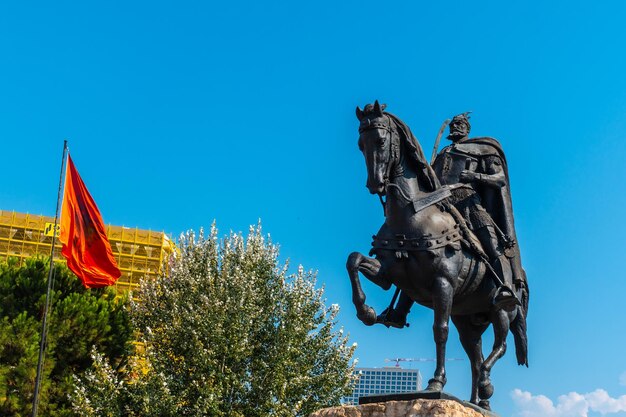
x=400, y=191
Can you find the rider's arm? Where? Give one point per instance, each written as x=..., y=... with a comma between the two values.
x=493, y=173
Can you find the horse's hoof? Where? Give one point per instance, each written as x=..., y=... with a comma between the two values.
x=391, y=318
x=367, y=315
x=435, y=385
x=485, y=390
x=484, y=404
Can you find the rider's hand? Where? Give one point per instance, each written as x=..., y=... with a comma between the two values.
x=467, y=176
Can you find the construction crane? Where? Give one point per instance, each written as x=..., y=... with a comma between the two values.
x=398, y=360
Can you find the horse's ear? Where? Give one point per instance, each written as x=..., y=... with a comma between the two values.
x=359, y=113
x=377, y=109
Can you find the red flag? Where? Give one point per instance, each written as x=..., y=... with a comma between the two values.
x=85, y=243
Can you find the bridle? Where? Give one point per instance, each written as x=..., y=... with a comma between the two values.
x=394, y=153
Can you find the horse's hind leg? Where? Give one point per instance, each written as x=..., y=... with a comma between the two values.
x=500, y=321
x=442, y=305
x=370, y=268
x=470, y=336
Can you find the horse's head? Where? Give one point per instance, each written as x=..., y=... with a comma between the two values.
x=378, y=142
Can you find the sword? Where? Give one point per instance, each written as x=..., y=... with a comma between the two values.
x=436, y=147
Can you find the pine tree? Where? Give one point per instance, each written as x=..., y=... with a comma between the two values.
x=79, y=319
x=228, y=332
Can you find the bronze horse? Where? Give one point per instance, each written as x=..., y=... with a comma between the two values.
x=422, y=250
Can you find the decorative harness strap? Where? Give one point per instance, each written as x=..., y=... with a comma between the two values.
x=402, y=244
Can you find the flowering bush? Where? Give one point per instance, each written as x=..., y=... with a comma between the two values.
x=228, y=332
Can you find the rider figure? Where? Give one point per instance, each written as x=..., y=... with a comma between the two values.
x=480, y=164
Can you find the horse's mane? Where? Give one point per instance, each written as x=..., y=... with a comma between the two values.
x=415, y=153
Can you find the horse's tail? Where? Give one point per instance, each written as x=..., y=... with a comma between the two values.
x=518, y=328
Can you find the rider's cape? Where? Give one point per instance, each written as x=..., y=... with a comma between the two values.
x=497, y=201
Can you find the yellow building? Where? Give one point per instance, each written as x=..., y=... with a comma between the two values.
x=138, y=252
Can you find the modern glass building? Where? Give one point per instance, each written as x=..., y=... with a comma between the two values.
x=388, y=380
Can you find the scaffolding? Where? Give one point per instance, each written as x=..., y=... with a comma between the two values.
x=139, y=253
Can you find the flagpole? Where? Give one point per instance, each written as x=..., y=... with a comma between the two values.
x=47, y=302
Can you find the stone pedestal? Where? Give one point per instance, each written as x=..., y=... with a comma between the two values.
x=410, y=408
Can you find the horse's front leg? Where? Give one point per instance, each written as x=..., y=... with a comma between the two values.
x=442, y=304
x=370, y=268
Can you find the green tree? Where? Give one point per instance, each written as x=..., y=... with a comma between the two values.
x=79, y=319
x=228, y=332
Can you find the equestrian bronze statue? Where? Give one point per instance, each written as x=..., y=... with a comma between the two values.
x=448, y=241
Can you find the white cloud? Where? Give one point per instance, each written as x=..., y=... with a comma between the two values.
x=570, y=405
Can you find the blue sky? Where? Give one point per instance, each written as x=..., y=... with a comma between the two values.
x=181, y=113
